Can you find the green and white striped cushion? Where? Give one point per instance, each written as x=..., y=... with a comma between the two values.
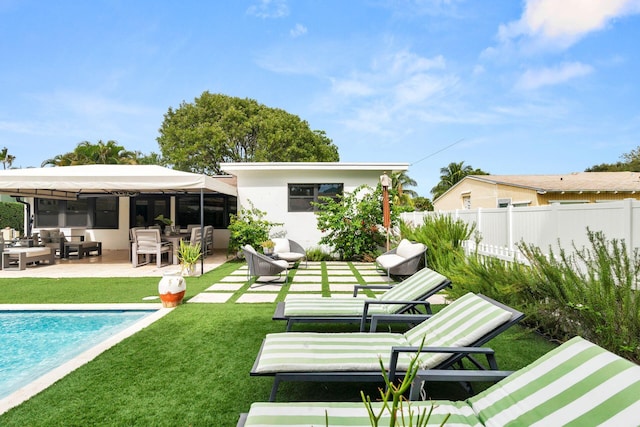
x=311, y=352
x=459, y=324
x=411, y=289
x=328, y=307
x=351, y=414
x=577, y=384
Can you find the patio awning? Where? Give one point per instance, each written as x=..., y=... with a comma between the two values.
x=69, y=182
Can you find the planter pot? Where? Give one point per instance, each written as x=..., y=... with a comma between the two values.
x=267, y=251
x=171, y=289
x=187, y=269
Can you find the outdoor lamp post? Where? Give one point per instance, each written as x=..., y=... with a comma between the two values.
x=385, y=182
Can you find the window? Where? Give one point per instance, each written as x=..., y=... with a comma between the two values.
x=466, y=201
x=302, y=195
x=91, y=212
x=217, y=208
x=503, y=203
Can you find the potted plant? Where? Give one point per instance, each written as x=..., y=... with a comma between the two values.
x=164, y=223
x=188, y=254
x=267, y=247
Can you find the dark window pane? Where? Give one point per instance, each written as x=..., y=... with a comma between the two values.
x=47, y=213
x=106, y=212
x=301, y=196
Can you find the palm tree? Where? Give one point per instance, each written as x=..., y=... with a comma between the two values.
x=451, y=174
x=101, y=153
x=6, y=158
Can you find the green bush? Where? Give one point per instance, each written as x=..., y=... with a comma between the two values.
x=443, y=236
x=248, y=228
x=592, y=292
x=317, y=254
x=351, y=223
x=12, y=216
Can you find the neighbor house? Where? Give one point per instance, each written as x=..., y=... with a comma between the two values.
x=495, y=191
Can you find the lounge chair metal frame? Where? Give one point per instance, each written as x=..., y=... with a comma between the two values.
x=409, y=308
x=453, y=362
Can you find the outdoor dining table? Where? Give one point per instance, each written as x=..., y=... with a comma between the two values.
x=175, y=241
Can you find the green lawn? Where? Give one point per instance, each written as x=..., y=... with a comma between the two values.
x=190, y=368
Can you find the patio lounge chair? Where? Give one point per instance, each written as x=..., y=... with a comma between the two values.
x=405, y=297
x=404, y=260
x=470, y=321
x=261, y=266
x=577, y=383
x=289, y=250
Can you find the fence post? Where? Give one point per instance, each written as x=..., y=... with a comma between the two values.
x=510, y=227
x=627, y=212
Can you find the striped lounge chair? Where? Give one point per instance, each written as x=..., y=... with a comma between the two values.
x=354, y=356
x=578, y=384
x=404, y=297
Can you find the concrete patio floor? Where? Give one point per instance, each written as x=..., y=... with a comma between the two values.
x=110, y=264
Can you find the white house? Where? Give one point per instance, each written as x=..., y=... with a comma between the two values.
x=284, y=190
x=103, y=201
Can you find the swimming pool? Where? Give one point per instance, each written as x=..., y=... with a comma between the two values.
x=36, y=343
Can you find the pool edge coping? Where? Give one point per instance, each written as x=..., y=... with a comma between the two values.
x=24, y=393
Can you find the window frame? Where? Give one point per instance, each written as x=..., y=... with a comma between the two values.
x=309, y=207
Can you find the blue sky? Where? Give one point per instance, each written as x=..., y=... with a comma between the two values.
x=511, y=87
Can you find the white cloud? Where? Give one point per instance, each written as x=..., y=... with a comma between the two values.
x=269, y=9
x=298, y=31
x=562, y=23
x=533, y=79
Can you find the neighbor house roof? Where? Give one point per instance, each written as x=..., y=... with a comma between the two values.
x=66, y=182
x=571, y=182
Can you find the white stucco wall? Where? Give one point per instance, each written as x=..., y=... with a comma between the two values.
x=267, y=189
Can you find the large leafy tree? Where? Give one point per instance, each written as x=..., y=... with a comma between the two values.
x=628, y=162
x=216, y=128
x=6, y=159
x=86, y=153
x=451, y=174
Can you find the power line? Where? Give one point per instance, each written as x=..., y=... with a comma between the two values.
x=439, y=151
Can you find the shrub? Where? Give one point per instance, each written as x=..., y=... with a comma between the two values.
x=443, y=236
x=317, y=254
x=592, y=292
x=351, y=223
x=12, y=216
x=248, y=228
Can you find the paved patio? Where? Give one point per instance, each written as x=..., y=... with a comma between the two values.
x=110, y=264
x=236, y=287
x=306, y=283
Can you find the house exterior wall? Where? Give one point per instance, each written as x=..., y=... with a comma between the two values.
x=486, y=195
x=483, y=195
x=267, y=190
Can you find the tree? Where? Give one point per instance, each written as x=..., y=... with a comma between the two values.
x=6, y=158
x=422, y=204
x=451, y=174
x=86, y=153
x=629, y=162
x=216, y=128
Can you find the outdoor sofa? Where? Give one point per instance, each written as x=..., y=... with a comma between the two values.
x=404, y=298
x=577, y=383
x=470, y=321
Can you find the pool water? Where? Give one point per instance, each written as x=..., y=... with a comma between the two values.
x=33, y=343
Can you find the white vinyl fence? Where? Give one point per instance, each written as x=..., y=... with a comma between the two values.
x=556, y=226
